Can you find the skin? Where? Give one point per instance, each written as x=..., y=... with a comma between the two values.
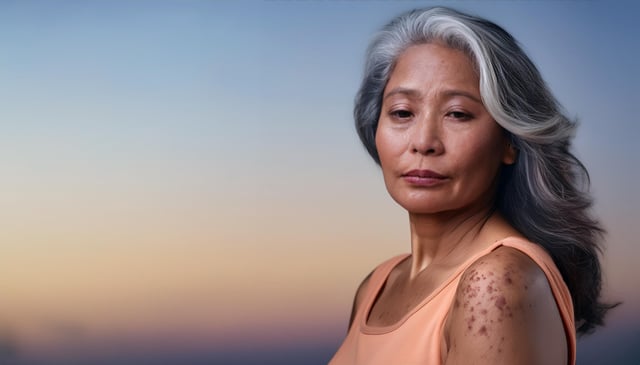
x=432, y=118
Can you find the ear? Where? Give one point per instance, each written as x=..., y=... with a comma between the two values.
x=509, y=154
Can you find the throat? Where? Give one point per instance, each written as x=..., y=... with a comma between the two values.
x=446, y=240
x=401, y=295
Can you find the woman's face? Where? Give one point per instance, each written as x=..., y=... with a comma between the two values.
x=439, y=148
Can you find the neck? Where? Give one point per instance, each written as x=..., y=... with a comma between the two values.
x=438, y=237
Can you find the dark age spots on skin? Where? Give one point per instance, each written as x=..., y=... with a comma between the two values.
x=470, y=321
x=483, y=331
x=501, y=303
x=471, y=292
x=507, y=278
x=485, y=296
x=500, y=348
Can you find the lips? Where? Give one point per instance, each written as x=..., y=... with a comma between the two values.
x=424, y=178
x=426, y=174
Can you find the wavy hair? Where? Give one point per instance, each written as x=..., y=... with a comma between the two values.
x=544, y=194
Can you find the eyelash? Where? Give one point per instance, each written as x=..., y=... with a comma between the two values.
x=456, y=114
x=401, y=114
x=405, y=114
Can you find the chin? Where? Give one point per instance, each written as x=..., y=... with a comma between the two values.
x=422, y=207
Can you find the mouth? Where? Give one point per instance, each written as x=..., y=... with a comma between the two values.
x=423, y=177
x=427, y=174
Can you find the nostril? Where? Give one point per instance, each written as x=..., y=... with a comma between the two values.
x=427, y=151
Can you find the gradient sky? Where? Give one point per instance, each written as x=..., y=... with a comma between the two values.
x=183, y=177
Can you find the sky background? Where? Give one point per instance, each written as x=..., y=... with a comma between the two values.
x=182, y=183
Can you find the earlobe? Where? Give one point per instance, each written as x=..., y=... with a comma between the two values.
x=510, y=154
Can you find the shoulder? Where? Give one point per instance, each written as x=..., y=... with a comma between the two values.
x=359, y=297
x=363, y=288
x=504, y=310
x=504, y=272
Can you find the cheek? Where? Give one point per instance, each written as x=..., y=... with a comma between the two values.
x=482, y=151
x=389, y=144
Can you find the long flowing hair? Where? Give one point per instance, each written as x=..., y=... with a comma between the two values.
x=544, y=194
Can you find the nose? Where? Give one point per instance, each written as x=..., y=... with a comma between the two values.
x=426, y=137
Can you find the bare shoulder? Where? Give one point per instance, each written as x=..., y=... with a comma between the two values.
x=504, y=312
x=502, y=281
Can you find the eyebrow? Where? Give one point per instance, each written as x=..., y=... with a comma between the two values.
x=411, y=93
x=415, y=94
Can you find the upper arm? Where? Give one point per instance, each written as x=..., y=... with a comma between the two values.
x=504, y=312
x=357, y=301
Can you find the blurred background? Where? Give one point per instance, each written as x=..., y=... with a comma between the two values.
x=182, y=184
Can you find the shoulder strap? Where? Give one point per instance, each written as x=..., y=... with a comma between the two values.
x=376, y=281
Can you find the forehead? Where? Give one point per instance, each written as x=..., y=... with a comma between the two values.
x=429, y=65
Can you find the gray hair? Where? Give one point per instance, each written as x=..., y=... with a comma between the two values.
x=544, y=193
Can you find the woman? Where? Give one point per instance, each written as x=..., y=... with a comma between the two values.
x=504, y=265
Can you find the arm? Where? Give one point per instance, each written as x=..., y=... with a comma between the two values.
x=504, y=313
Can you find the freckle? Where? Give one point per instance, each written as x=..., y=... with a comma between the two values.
x=507, y=279
x=471, y=309
x=483, y=331
x=456, y=304
x=499, y=350
x=500, y=302
x=526, y=287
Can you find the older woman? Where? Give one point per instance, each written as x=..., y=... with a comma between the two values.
x=504, y=265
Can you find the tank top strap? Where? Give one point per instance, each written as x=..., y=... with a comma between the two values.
x=376, y=281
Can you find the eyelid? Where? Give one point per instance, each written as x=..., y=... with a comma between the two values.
x=464, y=114
x=395, y=113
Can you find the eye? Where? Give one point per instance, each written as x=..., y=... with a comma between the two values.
x=401, y=114
x=459, y=115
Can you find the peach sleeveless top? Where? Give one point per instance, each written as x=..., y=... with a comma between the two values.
x=417, y=337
